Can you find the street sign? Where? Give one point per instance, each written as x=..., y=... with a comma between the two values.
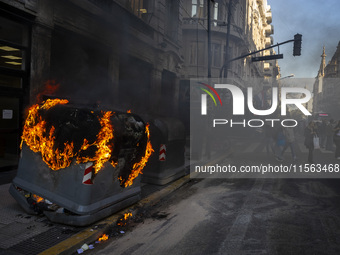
x=270, y=57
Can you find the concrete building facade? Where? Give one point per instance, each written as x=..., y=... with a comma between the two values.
x=121, y=54
x=238, y=27
x=327, y=86
x=250, y=30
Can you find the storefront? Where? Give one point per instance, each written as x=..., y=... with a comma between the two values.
x=14, y=85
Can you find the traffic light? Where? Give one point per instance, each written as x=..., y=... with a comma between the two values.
x=297, y=45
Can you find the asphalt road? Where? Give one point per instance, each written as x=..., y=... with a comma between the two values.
x=239, y=216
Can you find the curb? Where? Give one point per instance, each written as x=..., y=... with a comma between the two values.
x=89, y=235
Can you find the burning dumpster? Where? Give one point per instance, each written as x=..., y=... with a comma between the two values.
x=79, y=164
x=167, y=163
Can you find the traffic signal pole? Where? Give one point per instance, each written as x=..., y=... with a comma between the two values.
x=209, y=40
x=227, y=53
x=296, y=52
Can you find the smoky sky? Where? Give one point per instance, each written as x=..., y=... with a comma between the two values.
x=317, y=21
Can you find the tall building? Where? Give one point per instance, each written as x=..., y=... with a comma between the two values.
x=318, y=84
x=327, y=86
x=250, y=30
x=121, y=54
x=238, y=27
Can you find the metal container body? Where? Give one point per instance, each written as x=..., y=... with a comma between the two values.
x=65, y=187
x=168, y=137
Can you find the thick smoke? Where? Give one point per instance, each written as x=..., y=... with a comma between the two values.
x=319, y=25
x=81, y=68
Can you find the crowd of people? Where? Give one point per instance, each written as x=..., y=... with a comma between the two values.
x=317, y=134
x=327, y=132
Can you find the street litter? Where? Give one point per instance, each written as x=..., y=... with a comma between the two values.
x=85, y=247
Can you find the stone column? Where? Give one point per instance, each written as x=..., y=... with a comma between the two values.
x=41, y=48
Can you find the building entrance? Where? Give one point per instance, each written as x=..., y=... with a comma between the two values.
x=14, y=57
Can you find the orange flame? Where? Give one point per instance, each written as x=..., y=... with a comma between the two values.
x=138, y=167
x=122, y=220
x=38, y=139
x=34, y=134
x=37, y=198
x=104, y=237
x=103, y=152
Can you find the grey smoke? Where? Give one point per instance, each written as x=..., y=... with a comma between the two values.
x=319, y=24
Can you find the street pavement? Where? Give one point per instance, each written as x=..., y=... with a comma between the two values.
x=241, y=216
x=209, y=216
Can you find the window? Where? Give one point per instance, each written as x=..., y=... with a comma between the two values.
x=197, y=8
x=215, y=13
x=11, y=57
x=139, y=7
x=197, y=54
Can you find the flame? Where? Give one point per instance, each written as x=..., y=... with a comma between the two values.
x=40, y=140
x=122, y=221
x=127, y=215
x=36, y=137
x=37, y=198
x=128, y=111
x=103, y=152
x=138, y=167
x=104, y=237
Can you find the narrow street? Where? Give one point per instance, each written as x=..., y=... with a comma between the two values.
x=241, y=216
x=155, y=127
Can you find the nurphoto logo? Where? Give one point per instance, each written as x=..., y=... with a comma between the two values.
x=238, y=105
x=238, y=100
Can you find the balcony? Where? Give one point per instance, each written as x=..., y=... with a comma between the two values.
x=217, y=26
x=269, y=30
x=269, y=41
x=269, y=17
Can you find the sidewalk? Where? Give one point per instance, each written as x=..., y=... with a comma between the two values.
x=24, y=234
x=21, y=233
